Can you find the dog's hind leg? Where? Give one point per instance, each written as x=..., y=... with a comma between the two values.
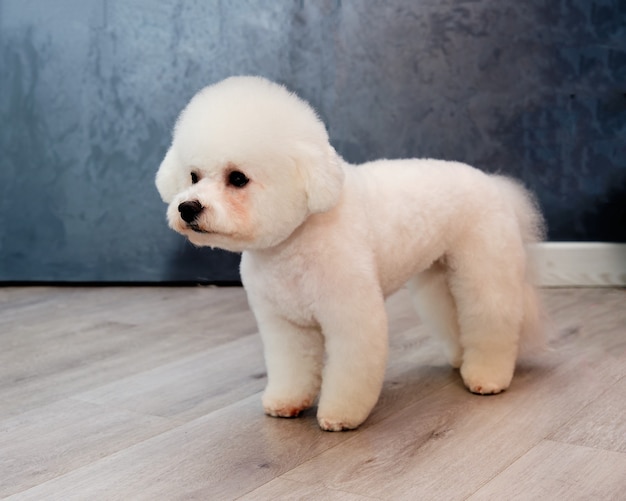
x=487, y=282
x=435, y=305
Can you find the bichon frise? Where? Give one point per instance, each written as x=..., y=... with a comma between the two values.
x=251, y=170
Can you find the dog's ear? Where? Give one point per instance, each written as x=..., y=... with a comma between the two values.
x=167, y=181
x=323, y=174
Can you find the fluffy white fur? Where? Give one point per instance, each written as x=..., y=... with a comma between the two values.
x=324, y=243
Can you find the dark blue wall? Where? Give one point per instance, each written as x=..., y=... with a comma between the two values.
x=89, y=91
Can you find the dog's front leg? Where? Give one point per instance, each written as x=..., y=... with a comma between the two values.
x=356, y=349
x=293, y=358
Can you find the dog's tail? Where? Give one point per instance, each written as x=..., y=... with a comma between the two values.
x=524, y=203
x=532, y=229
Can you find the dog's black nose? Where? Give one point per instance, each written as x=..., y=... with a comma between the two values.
x=189, y=210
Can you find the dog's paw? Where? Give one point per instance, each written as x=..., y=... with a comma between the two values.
x=285, y=407
x=337, y=424
x=341, y=417
x=485, y=388
x=486, y=379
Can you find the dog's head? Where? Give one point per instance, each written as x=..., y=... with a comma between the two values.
x=249, y=162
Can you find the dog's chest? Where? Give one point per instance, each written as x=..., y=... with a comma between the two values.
x=287, y=288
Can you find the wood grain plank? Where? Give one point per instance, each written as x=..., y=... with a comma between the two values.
x=553, y=470
x=185, y=311
x=601, y=424
x=52, y=440
x=191, y=386
x=223, y=455
x=84, y=339
x=280, y=488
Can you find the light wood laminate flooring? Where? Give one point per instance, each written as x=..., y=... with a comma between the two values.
x=153, y=393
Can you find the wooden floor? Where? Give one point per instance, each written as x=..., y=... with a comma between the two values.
x=154, y=393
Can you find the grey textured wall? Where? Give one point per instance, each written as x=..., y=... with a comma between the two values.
x=89, y=91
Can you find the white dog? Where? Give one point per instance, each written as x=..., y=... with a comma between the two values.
x=251, y=169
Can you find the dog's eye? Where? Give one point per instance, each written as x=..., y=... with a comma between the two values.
x=194, y=178
x=237, y=179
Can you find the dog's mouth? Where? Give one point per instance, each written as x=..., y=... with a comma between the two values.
x=197, y=229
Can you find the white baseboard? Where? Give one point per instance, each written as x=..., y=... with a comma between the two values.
x=580, y=264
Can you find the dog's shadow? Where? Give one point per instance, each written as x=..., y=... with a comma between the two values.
x=405, y=389
x=438, y=389
x=428, y=389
